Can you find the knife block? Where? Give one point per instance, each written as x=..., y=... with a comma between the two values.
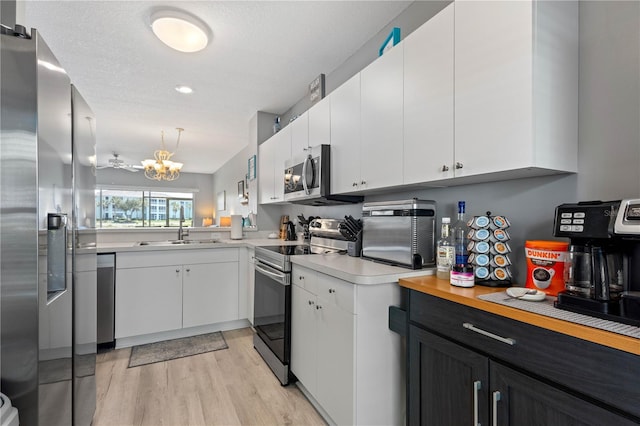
x=354, y=248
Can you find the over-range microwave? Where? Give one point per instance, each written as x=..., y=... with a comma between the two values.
x=307, y=179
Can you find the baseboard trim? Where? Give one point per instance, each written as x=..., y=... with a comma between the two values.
x=315, y=404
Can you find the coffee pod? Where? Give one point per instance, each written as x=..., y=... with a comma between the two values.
x=500, y=261
x=500, y=222
x=480, y=260
x=500, y=248
x=499, y=235
x=482, y=273
x=472, y=257
x=478, y=234
x=499, y=274
x=482, y=247
x=479, y=222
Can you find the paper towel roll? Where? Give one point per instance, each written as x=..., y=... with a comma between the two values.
x=236, y=227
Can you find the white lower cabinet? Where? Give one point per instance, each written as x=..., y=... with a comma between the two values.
x=170, y=290
x=148, y=300
x=209, y=293
x=342, y=351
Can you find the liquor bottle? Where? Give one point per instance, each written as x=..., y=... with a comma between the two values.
x=460, y=237
x=446, y=251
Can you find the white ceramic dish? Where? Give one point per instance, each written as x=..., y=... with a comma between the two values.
x=521, y=293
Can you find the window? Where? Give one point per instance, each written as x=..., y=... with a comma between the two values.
x=116, y=208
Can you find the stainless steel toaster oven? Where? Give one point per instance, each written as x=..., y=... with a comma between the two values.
x=400, y=232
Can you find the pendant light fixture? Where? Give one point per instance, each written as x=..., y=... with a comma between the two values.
x=180, y=30
x=161, y=167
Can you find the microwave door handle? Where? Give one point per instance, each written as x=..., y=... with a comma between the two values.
x=304, y=175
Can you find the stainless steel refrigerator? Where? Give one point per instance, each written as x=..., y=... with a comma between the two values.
x=47, y=238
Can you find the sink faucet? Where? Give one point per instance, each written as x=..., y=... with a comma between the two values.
x=182, y=232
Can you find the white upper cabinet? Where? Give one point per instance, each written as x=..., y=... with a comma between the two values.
x=320, y=123
x=272, y=155
x=382, y=121
x=300, y=135
x=516, y=87
x=428, y=100
x=345, y=136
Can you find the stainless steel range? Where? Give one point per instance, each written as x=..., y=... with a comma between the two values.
x=272, y=307
x=272, y=295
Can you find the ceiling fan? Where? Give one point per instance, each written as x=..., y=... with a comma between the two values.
x=117, y=163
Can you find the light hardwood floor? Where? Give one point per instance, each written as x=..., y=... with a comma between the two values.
x=227, y=387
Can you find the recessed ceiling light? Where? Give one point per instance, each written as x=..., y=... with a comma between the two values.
x=184, y=89
x=180, y=30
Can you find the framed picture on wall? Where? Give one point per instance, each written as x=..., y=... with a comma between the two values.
x=241, y=189
x=221, y=201
x=251, y=166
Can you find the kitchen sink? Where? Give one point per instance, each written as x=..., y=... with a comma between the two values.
x=174, y=242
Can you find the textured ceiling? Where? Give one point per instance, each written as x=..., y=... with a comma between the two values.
x=262, y=56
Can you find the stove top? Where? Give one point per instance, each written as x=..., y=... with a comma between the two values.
x=288, y=250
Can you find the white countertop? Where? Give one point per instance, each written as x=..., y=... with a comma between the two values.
x=222, y=243
x=357, y=270
x=352, y=269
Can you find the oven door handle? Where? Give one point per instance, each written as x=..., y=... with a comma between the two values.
x=280, y=277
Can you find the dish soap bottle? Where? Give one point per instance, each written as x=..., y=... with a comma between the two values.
x=446, y=251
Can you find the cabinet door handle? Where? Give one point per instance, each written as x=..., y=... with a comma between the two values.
x=188, y=270
x=496, y=397
x=477, y=385
x=364, y=182
x=318, y=307
x=354, y=184
x=332, y=290
x=445, y=168
x=301, y=277
x=459, y=165
x=177, y=271
x=507, y=340
x=311, y=302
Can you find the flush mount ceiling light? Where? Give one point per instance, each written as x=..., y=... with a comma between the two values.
x=179, y=30
x=161, y=167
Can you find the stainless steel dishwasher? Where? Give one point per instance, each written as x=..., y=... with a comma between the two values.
x=106, y=299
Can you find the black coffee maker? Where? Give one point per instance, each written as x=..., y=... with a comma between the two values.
x=602, y=267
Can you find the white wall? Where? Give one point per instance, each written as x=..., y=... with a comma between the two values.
x=227, y=177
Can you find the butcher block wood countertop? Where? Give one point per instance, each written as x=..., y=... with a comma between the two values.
x=469, y=297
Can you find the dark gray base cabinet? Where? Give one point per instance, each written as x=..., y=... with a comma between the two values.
x=452, y=382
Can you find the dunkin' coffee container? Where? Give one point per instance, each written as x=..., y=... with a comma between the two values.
x=545, y=265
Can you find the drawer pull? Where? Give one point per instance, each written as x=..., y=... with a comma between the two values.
x=496, y=397
x=477, y=385
x=507, y=340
